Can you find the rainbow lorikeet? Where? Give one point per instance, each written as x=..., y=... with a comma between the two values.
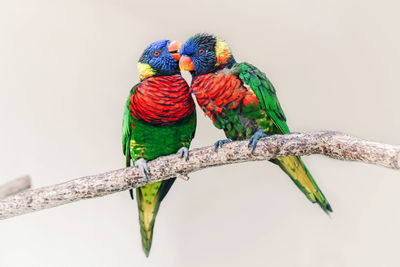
x=159, y=119
x=241, y=100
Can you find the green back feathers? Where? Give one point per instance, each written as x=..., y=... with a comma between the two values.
x=264, y=91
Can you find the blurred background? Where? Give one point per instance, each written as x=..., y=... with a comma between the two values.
x=66, y=68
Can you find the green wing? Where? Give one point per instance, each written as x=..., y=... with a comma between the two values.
x=126, y=129
x=265, y=92
x=127, y=132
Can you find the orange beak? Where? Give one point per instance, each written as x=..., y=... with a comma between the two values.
x=186, y=63
x=173, y=49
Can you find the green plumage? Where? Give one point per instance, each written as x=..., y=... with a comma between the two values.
x=266, y=94
x=143, y=140
x=241, y=123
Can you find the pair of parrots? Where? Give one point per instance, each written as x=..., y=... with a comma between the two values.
x=160, y=116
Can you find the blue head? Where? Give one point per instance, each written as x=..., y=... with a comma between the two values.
x=205, y=53
x=160, y=59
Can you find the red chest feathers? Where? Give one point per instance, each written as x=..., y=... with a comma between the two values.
x=216, y=92
x=162, y=100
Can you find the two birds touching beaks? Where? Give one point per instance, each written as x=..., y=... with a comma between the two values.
x=160, y=116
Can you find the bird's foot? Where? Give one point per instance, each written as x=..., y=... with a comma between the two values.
x=254, y=139
x=141, y=163
x=220, y=143
x=183, y=152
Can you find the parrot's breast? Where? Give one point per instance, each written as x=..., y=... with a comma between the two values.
x=162, y=100
x=219, y=92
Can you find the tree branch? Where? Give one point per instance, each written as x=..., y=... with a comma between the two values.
x=332, y=144
x=15, y=186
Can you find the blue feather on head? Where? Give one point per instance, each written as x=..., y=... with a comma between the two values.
x=207, y=54
x=160, y=59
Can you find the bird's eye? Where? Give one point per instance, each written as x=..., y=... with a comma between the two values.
x=201, y=51
x=156, y=53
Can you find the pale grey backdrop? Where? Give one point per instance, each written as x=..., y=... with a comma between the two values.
x=66, y=68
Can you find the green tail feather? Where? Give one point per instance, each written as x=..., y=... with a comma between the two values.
x=149, y=198
x=297, y=171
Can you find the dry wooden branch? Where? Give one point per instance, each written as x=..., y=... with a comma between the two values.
x=332, y=144
x=15, y=186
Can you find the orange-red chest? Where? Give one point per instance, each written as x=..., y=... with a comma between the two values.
x=162, y=100
x=217, y=92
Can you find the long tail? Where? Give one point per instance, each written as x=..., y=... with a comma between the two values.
x=149, y=198
x=297, y=171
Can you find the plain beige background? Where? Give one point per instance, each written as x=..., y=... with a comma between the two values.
x=66, y=68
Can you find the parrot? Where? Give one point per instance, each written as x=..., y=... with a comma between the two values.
x=241, y=101
x=159, y=119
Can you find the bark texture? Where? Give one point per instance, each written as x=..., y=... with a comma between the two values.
x=15, y=186
x=332, y=144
